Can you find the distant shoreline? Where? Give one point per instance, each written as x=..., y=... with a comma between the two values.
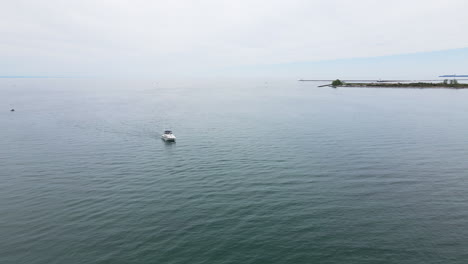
x=407, y=85
x=446, y=84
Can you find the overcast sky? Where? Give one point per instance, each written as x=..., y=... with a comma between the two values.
x=151, y=38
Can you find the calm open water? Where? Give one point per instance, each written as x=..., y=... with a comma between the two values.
x=278, y=172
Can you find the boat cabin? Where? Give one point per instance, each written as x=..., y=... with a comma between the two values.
x=167, y=132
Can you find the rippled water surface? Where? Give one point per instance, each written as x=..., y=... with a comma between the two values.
x=277, y=172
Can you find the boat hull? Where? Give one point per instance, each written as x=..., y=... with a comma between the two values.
x=168, y=139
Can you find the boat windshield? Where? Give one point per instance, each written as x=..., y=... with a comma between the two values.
x=167, y=132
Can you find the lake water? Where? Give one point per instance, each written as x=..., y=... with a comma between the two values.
x=262, y=172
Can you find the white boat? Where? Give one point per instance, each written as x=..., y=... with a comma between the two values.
x=168, y=136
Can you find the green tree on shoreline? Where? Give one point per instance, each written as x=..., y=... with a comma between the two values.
x=453, y=82
x=337, y=82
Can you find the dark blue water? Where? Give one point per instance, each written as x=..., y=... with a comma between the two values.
x=277, y=172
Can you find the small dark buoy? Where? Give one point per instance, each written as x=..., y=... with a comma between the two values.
x=12, y=110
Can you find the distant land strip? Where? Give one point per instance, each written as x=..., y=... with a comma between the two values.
x=419, y=85
x=454, y=75
x=312, y=80
x=447, y=84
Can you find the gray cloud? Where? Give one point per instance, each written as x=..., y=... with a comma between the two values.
x=164, y=37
